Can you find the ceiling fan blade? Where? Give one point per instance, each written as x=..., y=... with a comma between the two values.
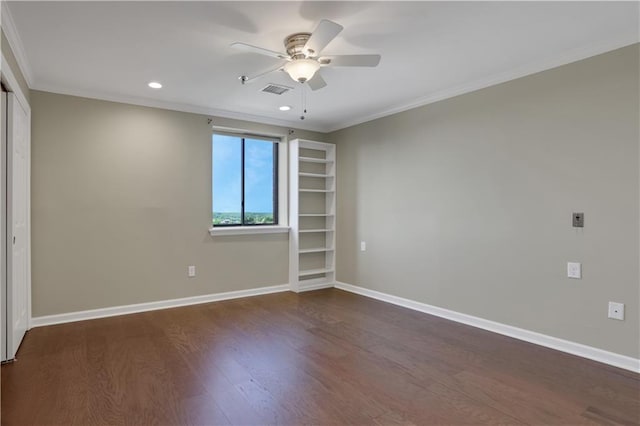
x=317, y=82
x=254, y=49
x=321, y=36
x=250, y=79
x=350, y=60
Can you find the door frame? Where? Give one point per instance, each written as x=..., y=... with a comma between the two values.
x=4, y=340
x=11, y=83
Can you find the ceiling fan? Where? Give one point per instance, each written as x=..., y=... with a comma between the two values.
x=303, y=60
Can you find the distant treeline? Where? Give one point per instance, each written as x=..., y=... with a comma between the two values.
x=250, y=218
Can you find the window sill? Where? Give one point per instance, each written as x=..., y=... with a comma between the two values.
x=248, y=230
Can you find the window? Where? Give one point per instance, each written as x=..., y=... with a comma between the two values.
x=245, y=181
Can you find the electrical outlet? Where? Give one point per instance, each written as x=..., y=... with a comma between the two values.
x=616, y=311
x=578, y=220
x=574, y=270
x=191, y=272
x=363, y=246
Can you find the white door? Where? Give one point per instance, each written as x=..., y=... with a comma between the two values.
x=17, y=224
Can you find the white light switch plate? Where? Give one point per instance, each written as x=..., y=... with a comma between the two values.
x=574, y=270
x=191, y=271
x=363, y=246
x=616, y=311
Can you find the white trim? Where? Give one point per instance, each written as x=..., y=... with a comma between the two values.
x=175, y=106
x=311, y=287
x=247, y=132
x=568, y=57
x=29, y=240
x=17, y=47
x=152, y=306
x=595, y=354
x=12, y=84
x=248, y=230
x=589, y=352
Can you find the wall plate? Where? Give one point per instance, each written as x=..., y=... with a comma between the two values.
x=574, y=270
x=616, y=311
x=578, y=220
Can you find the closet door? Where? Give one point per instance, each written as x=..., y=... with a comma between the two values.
x=17, y=224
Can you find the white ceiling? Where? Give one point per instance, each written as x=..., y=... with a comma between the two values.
x=430, y=50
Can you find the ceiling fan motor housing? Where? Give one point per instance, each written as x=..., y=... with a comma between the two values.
x=295, y=44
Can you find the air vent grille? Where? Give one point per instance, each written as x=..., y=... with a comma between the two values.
x=276, y=89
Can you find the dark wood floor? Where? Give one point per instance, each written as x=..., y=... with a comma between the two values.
x=324, y=357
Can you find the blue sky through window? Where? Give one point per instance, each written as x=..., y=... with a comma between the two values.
x=227, y=175
x=258, y=176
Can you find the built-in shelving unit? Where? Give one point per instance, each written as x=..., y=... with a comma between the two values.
x=312, y=204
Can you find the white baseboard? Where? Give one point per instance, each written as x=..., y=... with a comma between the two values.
x=152, y=306
x=595, y=354
x=589, y=352
x=318, y=286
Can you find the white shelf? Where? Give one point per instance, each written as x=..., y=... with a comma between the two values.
x=314, y=160
x=315, y=250
x=314, y=264
x=316, y=190
x=314, y=272
x=314, y=175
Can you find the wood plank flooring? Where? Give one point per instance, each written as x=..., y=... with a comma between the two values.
x=323, y=357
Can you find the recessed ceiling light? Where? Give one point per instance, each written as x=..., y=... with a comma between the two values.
x=155, y=85
x=285, y=108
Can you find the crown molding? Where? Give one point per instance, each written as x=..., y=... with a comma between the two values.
x=9, y=28
x=568, y=57
x=177, y=106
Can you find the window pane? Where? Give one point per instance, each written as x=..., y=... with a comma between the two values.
x=227, y=180
x=259, y=165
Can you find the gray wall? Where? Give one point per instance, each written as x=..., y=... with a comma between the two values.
x=466, y=203
x=121, y=205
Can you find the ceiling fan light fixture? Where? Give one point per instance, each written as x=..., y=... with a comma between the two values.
x=302, y=70
x=304, y=56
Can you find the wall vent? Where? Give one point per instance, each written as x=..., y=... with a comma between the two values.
x=276, y=89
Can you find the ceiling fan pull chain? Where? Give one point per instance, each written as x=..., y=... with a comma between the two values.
x=304, y=99
x=304, y=102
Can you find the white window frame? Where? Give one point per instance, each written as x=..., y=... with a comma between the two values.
x=283, y=187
